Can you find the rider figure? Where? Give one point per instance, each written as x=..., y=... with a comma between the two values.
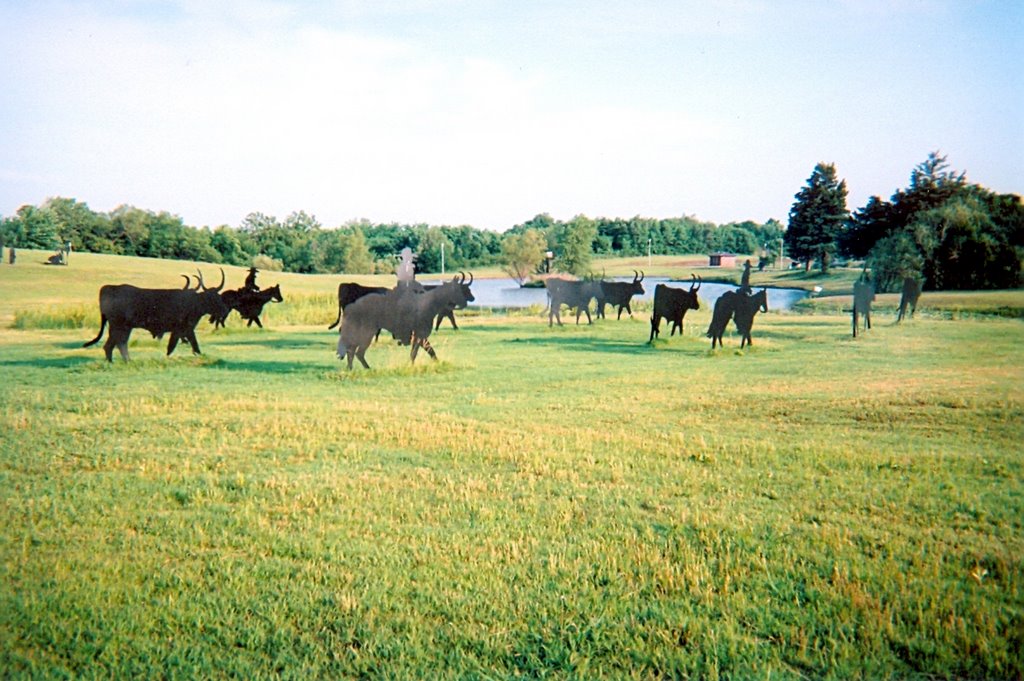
x=745, y=281
x=250, y=280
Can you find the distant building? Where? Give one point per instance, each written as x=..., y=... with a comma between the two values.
x=722, y=260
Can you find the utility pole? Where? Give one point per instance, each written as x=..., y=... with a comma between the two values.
x=648, y=251
x=442, y=258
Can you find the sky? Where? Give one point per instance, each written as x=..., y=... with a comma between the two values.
x=487, y=113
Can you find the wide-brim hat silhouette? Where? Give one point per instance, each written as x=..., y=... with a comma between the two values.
x=253, y=270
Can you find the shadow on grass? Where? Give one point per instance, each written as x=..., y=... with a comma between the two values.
x=50, y=362
x=290, y=342
x=268, y=366
x=586, y=344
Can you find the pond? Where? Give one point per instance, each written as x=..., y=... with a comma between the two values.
x=506, y=293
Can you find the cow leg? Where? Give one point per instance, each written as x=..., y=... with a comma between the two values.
x=173, y=343
x=867, y=318
x=429, y=348
x=854, y=322
x=117, y=339
x=359, y=352
x=258, y=323
x=654, y=329
x=451, y=316
x=191, y=338
x=108, y=347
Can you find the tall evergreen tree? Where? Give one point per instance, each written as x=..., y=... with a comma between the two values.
x=817, y=217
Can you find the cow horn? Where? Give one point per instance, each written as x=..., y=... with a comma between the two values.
x=202, y=286
x=188, y=282
x=641, y=275
x=470, y=279
x=222, y=279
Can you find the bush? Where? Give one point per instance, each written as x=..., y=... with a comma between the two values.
x=266, y=263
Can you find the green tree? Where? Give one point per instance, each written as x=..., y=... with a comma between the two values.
x=74, y=221
x=129, y=229
x=576, y=245
x=817, y=217
x=357, y=256
x=894, y=258
x=38, y=229
x=955, y=234
x=429, y=252
x=959, y=244
x=226, y=242
x=522, y=253
x=166, y=235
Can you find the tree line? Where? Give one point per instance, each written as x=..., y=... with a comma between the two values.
x=300, y=243
x=949, y=233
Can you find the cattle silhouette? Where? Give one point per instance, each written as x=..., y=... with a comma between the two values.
x=349, y=292
x=619, y=293
x=159, y=311
x=671, y=304
x=741, y=308
x=576, y=295
x=407, y=311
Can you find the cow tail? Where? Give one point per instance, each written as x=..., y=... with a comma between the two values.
x=338, y=320
x=103, y=325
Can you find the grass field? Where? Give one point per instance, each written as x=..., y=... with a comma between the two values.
x=561, y=503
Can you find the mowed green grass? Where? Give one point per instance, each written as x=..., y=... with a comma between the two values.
x=566, y=502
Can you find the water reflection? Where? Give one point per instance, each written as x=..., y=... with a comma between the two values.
x=505, y=293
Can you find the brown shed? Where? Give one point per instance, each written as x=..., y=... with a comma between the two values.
x=722, y=260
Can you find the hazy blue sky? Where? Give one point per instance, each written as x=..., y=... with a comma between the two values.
x=487, y=113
